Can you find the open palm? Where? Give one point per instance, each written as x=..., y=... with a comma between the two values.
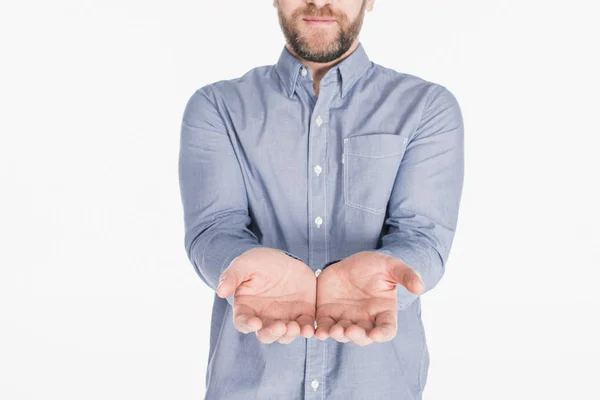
x=357, y=297
x=274, y=295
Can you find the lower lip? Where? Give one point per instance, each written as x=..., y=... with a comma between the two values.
x=315, y=22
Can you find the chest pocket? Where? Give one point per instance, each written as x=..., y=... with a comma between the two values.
x=371, y=163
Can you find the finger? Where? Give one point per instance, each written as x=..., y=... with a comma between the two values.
x=271, y=332
x=357, y=332
x=337, y=330
x=366, y=324
x=293, y=329
x=229, y=281
x=385, y=326
x=357, y=335
x=307, y=325
x=408, y=277
x=324, y=325
x=247, y=322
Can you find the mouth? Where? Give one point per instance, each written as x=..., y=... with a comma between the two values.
x=319, y=21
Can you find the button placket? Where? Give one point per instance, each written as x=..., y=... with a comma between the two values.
x=317, y=197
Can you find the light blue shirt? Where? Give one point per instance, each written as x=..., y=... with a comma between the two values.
x=374, y=162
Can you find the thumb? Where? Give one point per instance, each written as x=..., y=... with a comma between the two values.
x=229, y=281
x=406, y=276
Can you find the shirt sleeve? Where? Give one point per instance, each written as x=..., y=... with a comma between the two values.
x=213, y=193
x=424, y=204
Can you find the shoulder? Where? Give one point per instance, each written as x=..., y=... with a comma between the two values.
x=212, y=101
x=240, y=86
x=413, y=85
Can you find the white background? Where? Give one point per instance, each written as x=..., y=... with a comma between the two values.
x=98, y=299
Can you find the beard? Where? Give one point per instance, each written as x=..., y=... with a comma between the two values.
x=318, y=45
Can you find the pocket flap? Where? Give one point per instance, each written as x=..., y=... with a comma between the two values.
x=375, y=145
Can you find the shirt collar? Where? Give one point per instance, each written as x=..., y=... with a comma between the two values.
x=349, y=70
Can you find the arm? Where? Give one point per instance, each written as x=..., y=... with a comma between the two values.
x=213, y=193
x=423, y=206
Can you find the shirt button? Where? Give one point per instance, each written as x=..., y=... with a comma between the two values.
x=304, y=72
x=315, y=384
x=317, y=272
x=319, y=120
x=315, y=324
x=318, y=221
x=318, y=170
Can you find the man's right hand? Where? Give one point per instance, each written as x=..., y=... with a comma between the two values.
x=275, y=295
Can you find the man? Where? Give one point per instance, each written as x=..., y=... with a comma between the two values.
x=320, y=200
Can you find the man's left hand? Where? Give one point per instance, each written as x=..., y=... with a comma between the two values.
x=357, y=297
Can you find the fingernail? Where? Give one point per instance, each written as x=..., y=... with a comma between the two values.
x=420, y=277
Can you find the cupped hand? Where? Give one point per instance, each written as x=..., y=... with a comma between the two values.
x=357, y=297
x=274, y=295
